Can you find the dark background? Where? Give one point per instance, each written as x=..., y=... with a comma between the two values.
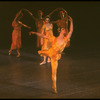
x=86, y=20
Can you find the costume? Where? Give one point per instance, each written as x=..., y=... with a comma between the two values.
x=55, y=54
x=16, y=35
x=48, y=32
x=55, y=50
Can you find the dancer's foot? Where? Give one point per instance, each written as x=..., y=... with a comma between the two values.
x=9, y=52
x=55, y=91
x=44, y=62
x=18, y=55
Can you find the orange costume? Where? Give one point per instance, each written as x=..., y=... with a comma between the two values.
x=16, y=35
x=55, y=54
x=48, y=31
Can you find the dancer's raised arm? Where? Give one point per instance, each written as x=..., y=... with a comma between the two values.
x=17, y=15
x=64, y=10
x=71, y=28
x=17, y=18
x=29, y=13
x=53, y=12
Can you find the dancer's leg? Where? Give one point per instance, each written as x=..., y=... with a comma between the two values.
x=18, y=53
x=54, y=66
x=44, y=61
x=10, y=52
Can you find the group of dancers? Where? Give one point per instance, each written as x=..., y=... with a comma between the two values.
x=51, y=46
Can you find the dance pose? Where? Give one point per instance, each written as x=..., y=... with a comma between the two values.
x=58, y=45
x=16, y=34
x=39, y=23
x=62, y=22
x=47, y=29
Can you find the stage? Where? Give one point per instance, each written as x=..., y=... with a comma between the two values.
x=77, y=77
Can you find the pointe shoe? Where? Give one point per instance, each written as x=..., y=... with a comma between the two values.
x=42, y=63
x=18, y=55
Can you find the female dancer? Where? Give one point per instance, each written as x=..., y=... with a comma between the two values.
x=16, y=34
x=63, y=21
x=58, y=45
x=47, y=29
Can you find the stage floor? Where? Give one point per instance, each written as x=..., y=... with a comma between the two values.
x=78, y=76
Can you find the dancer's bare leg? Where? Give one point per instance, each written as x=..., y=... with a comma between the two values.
x=10, y=52
x=54, y=65
x=44, y=61
x=18, y=53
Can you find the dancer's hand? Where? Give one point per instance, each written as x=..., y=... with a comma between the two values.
x=32, y=33
x=70, y=19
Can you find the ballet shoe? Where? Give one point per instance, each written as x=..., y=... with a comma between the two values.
x=42, y=63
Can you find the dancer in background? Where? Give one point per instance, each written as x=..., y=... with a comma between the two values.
x=39, y=23
x=62, y=22
x=58, y=45
x=47, y=30
x=16, y=34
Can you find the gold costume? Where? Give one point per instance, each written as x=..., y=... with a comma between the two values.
x=55, y=54
x=48, y=32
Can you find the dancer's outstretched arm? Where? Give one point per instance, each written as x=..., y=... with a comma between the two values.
x=23, y=24
x=39, y=34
